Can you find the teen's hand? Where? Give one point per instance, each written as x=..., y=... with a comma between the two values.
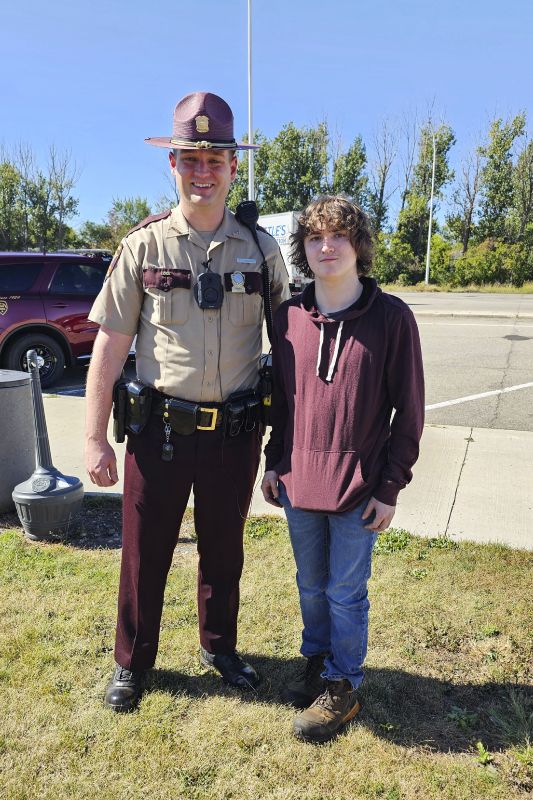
x=383, y=517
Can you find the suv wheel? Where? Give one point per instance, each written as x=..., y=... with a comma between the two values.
x=51, y=356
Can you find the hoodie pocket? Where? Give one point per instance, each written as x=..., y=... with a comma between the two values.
x=327, y=480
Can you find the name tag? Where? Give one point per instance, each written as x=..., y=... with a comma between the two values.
x=246, y=261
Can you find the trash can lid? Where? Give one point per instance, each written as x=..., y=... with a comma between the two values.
x=12, y=377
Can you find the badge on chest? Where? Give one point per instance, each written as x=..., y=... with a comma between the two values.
x=237, y=282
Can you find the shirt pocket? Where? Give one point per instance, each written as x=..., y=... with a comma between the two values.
x=244, y=308
x=170, y=293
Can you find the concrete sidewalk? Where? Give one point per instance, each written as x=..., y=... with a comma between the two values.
x=469, y=483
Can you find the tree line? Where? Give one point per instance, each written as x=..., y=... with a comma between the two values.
x=482, y=211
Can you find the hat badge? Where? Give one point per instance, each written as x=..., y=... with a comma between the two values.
x=202, y=123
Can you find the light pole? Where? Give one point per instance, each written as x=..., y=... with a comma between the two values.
x=428, y=254
x=251, y=188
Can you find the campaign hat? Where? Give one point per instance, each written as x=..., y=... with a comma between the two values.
x=201, y=120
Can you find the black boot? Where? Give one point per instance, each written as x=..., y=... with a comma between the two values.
x=233, y=669
x=307, y=684
x=124, y=690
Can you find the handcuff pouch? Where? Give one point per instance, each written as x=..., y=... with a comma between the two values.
x=139, y=402
x=182, y=416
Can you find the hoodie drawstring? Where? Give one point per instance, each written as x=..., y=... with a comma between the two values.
x=335, y=351
x=319, y=354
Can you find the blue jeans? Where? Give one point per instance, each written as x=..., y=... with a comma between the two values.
x=333, y=554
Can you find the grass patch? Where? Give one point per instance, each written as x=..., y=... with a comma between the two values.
x=440, y=719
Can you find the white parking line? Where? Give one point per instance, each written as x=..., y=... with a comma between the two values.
x=469, y=397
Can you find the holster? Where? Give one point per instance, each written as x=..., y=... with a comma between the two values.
x=119, y=410
x=132, y=401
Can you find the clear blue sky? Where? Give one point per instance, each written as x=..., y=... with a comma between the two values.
x=98, y=77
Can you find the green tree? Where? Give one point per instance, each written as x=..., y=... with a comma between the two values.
x=393, y=259
x=239, y=187
x=465, y=199
x=385, y=148
x=523, y=190
x=62, y=175
x=349, y=176
x=35, y=204
x=124, y=214
x=497, y=187
x=297, y=168
x=413, y=222
x=43, y=212
x=96, y=234
x=11, y=220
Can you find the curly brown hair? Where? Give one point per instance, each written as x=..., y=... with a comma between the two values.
x=333, y=213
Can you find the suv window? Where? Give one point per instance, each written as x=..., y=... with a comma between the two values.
x=78, y=279
x=18, y=277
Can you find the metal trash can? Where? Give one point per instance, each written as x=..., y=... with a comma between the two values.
x=17, y=433
x=48, y=503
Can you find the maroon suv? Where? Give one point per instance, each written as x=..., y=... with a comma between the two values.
x=44, y=303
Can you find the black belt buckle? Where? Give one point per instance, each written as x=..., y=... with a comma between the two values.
x=181, y=416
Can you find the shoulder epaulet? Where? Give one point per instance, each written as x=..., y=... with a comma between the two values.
x=148, y=220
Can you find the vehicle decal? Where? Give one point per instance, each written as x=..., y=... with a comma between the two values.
x=3, y=307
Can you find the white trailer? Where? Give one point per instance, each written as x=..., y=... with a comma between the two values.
x=280, y=226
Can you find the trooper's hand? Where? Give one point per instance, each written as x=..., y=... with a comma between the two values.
x=101, y=463
x=383, y=517
x=269, y=487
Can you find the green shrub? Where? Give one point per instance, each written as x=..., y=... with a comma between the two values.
x=493, y=262
x=392, y=259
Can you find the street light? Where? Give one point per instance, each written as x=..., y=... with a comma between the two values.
x=428, y=254
x=251, y=188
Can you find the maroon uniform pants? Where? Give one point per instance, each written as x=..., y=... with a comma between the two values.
x=221, y=471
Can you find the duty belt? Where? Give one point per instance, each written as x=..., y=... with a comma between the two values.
x=195, y=416
x=241, y=412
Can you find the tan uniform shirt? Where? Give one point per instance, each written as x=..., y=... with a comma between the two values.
x=182, y=350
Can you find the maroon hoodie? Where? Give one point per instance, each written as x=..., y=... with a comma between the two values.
x=336, y=384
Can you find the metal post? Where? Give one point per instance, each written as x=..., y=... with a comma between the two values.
x=251, y=188
x=428, y=254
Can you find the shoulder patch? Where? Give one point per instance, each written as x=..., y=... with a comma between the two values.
x=148, y=220
x=114, y=260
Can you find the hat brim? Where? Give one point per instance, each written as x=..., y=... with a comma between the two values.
x=164, y=141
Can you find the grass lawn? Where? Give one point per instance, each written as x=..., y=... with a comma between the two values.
x=447, y=703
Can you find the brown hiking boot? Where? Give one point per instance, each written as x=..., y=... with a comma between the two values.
x=323, y=720
x=307, y=684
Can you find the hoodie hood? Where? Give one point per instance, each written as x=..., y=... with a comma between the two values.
x=357, y=309
x=308, y=303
